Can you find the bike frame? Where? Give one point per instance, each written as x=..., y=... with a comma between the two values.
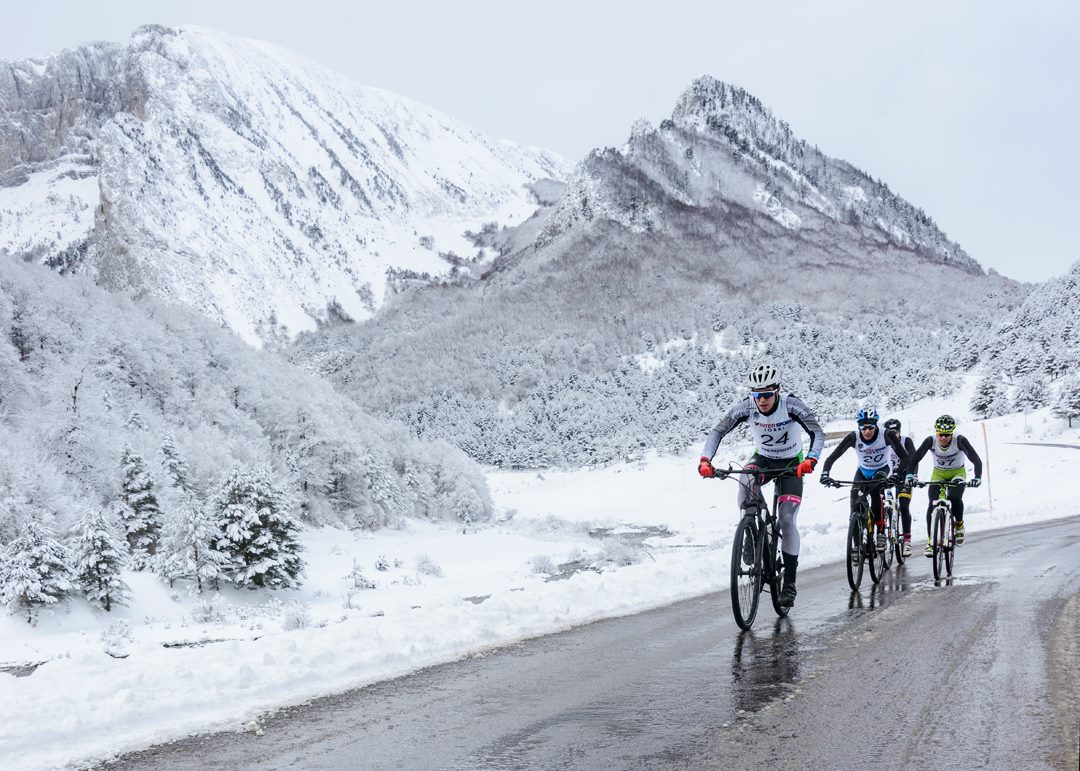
x=942, y=527
x=867, y=551
x=761, y=521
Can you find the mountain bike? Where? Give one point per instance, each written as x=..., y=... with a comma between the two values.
x=863, y=532
x=757, y=559
x=894, y=537
x=942, y=527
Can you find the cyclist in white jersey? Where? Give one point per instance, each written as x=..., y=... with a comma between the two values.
x=903, y=490
x=776, y=421
x=950, y=451
x=872, y=447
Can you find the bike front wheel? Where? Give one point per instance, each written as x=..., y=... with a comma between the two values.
x=940, y=522
x=856, y=528
x=746, y=573
x=890, y=538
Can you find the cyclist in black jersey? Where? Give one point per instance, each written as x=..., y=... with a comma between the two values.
x=903, y=489
x=776, y=421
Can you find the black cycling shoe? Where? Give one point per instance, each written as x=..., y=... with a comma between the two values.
x=787, y=596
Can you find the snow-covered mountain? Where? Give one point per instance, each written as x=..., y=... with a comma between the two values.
x=723, y=154
x=616, y=317
x=240, y=179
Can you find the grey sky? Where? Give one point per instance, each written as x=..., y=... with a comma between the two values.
x=967, y=109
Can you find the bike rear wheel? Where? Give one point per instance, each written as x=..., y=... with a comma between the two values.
x=876, y=556
x=890, y=538
x=897, y=526
x=939, y=543
x=745, y=579
x=856, y=529
x=775, y=557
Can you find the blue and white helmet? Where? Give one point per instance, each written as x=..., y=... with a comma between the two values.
x=867, y=416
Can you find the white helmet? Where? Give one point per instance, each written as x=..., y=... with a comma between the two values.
x=762, y=375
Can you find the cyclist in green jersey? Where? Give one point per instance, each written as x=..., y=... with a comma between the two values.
x=950, y=452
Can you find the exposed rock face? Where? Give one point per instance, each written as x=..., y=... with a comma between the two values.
x=239, y=179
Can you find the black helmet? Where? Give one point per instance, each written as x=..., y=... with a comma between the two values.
x=892, y=424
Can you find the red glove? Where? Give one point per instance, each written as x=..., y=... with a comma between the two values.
x=704, y=467
x=806, y=467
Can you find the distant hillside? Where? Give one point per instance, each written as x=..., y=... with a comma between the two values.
x=83, y=373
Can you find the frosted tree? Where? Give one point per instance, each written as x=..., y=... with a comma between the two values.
x=135, y=422
x=258, y=533
x=140, y=511
x=1032, y=393
x=1067, y=404
x=189, y=546
x=989, y=397
x=176, y=466
x=98, y=555
x=34, y=571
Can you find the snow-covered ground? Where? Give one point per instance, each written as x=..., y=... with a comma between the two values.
x=569, y=548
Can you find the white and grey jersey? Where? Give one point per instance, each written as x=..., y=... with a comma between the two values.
x=776, y=435
x=948, y=458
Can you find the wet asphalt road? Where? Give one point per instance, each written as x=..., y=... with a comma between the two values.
x=982, y=671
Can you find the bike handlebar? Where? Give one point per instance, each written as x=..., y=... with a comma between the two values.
x=880, y=482
x=767, y=473
x=946, y=483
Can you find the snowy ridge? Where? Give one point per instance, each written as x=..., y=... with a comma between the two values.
x=248, y=183
x=723, y=146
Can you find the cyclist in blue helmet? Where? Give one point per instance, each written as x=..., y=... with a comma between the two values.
x=872, y=447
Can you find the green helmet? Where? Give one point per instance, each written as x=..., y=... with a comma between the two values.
x=944, y=425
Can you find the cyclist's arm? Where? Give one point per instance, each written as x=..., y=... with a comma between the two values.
x=909, y=446
x=918, y=455
x=736, y=415
x=808, y=420
x=968, y=450
x=845, y=444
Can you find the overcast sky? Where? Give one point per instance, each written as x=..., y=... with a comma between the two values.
x=967, y=109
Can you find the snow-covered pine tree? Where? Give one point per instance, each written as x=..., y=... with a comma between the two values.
x=141, y=513
x=176, y=466
x=1068, y=402
x=98, y=555
x=258, y=533
x=989, y=397
x=1031, y=394
x=135, y=422
x=188, y=548
x=34, y=570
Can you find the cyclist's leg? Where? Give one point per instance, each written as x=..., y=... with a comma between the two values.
x=875, y=496
x=791, y=490
x=750, y=484
x=903, y=498
x=956, y=495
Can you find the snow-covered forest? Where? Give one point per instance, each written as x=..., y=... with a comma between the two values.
x=138, y=431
